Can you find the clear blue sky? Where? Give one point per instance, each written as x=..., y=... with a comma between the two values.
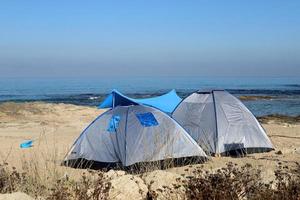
x=169, y=38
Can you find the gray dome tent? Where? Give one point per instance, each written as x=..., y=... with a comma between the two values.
x=133, y=134
x=221, y=123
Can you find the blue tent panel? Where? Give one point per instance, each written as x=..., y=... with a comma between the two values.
x=107, y=103
x=166, y=102
x=147, y=119
x=113, y=123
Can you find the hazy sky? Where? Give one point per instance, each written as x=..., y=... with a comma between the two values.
x=170, y=38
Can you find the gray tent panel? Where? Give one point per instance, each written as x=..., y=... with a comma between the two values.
x=196, y=114
x=237, y=125
x=97, y=143
x=165, y=140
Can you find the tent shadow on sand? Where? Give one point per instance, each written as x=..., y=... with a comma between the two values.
x=137, y=167
x=242, y=152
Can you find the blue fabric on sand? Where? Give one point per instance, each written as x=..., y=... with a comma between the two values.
x=26, y=144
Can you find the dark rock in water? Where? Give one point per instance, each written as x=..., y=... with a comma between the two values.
x=279, y=119
x=293, y=85
x=253, y=98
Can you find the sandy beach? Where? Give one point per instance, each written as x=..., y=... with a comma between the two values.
x=56, y=126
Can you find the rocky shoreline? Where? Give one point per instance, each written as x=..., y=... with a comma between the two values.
x=12, y=109
x=279, y=119
x=254, y=98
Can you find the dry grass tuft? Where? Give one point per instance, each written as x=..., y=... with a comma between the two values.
x=246, y=182
x=91, y=185
x=230, y=182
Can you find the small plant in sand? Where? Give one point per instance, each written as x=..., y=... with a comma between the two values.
x=288, y=182
x=90, y=187
x=10, y=179
x=229, y=182
x=232, y=182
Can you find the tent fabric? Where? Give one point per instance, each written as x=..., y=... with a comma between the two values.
x=220, y=123
x=132, y=142
x=113, y=123
x=147, y=119
x=166, y=102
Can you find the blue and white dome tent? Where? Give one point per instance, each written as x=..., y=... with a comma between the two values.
x=127, y=135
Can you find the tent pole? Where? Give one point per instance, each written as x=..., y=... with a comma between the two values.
x=113, y=98
x=217, y=134
x=126, y=124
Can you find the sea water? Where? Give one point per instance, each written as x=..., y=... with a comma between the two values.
x=284, y=93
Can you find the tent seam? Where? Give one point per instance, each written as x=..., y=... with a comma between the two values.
x=126, y=124
x=217, y=132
